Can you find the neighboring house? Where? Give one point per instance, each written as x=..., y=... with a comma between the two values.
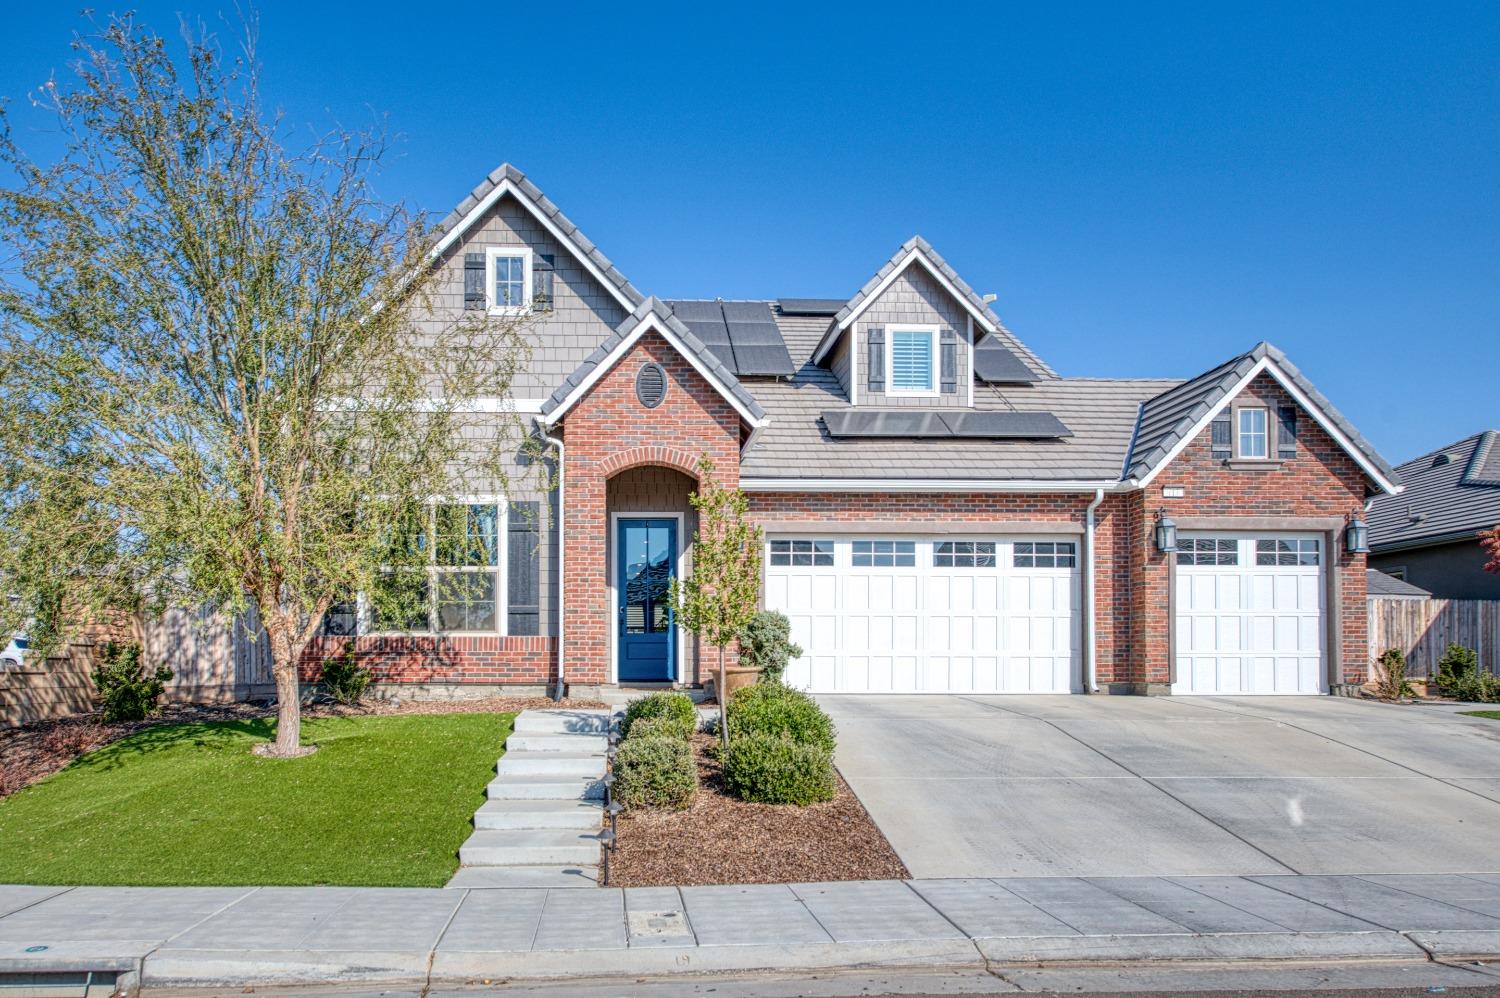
x=1427, y=535
x=943, y=512
x=1379, y=584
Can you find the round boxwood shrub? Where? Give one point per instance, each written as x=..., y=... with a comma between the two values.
x=774, y=709
x=773, y=769
x=661, y=727
x=655, y=772
x=674, y=708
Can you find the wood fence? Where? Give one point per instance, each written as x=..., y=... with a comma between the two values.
x=1423, y=628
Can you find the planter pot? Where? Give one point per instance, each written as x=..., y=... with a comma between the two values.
x=735, y=677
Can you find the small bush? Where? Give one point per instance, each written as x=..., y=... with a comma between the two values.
x=655, y=772
x=774, y=709
x=1474, y=687
x=773, y=769
x=661, y=727
x=1455, y=669
x=126, y=691
x=1391, y=682
x=766, y=644
x=344, y=678
x=673, y=706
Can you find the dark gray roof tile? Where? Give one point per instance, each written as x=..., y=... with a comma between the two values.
x=1451, y=493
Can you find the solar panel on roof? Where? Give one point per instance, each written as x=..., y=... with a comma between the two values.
x=810, y=306
x=930, y=423
x=742, y=334
x=996, y=364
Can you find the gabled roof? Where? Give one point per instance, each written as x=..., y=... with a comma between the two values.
x=1451, y=494
x=1172, y=419
x=506, y=179
x=917, y=250
x=1377, y=583
x=651, y=314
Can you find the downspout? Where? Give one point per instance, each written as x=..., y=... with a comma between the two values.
x=562, y=547
x=1089, y=624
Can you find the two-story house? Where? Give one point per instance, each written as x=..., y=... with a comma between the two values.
x=943, y=512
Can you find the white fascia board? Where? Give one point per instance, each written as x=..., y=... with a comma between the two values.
x=607, y=364
x=528, y=406
x=925, y=485
x=506, y=187
x=914, y=256
x=1269, y=366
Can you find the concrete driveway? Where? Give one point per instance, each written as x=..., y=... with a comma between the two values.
x=1099, y=786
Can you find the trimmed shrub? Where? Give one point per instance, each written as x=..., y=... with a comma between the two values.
x=661, y=727
x=344, y=678
x=676, y=707
x=1391, y=682
x=766, y=644
x=1475, y=687
x=774, y=709
x=773, y=769
x=654, y=772
x=1457, y=665
x=126, y=691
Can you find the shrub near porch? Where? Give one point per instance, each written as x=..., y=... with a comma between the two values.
x=386, y=801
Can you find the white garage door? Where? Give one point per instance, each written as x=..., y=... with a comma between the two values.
x=1250, y=614
x=928, y=614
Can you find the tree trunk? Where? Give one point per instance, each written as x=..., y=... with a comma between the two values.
x=285, y=655
x=723, y=704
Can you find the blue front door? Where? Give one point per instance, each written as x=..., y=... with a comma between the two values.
x=648, y=633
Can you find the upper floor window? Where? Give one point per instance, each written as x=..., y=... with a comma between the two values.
x=510, y=280
x=1254, y=432
x=912, y=361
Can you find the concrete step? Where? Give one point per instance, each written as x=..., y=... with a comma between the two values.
x=556, y=743
x=529, y=847
x=551, y=763
x=480, y=877
x=578, y=814
x=540, y=786
x=558, y=722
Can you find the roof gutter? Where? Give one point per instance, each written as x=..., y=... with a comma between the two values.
x=930, y=485
x=1430, y=540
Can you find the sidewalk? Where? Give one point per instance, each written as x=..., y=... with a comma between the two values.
x=212, y=936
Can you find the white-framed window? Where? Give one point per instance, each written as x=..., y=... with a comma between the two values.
x=461, y=589
x=1044, y=554
x=963, y=554
x=884, y=554
x=1296, y=551
x=508, y=279
x=1254, y=432
x=911, y=360
x=800, y=552
x=1208, y=551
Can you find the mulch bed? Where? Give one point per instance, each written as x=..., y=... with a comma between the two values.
x=35, y=751
x=723, y=840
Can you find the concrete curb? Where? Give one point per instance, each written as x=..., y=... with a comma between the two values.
x=1459, y=944
x=1258, y=946
x=215, y=967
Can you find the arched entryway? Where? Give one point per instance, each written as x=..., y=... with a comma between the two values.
x=648, y=543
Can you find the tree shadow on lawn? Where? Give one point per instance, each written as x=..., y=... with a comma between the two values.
x=167, y=737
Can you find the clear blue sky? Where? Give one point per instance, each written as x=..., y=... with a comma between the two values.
x=1147, y=190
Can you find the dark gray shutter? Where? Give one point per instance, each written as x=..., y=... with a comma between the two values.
x=876, y=338
x=950, y=361
x=541, y=277
x=1223, y=449
x=474, y=281
x=524, y=564
x=1286, y=440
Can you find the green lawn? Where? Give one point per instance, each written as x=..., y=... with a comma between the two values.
x=384, y=801
x=1493, y=715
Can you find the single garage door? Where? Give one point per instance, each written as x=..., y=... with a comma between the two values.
x=929, y=614
x=1250, y=614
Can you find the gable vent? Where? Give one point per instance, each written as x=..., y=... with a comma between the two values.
x=651, y=385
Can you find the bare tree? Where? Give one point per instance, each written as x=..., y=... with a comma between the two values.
x=222, y=375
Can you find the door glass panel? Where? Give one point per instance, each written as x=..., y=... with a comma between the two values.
x=648, y=573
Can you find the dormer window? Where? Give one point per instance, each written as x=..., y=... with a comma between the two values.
x=510, y=280
x=1254, y=432
x=911, y=364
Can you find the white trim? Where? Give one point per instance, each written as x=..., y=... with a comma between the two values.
x=493, y=253
x=486, y=403
x=927, y=485
x=1269, y=366
x=934, y=360
x=854, y=366
x=970, y=322
x=607, y=364
x=914, y=255
x=613, y=585
x=1240, y=433
x=506, y=187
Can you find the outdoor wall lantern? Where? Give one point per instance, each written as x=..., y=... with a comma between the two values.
x=1166, y=532
x=1357, y=536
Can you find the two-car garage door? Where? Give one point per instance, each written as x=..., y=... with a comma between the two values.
x=895, y=614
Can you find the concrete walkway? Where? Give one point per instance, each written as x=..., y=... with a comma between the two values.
x=237, y=936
